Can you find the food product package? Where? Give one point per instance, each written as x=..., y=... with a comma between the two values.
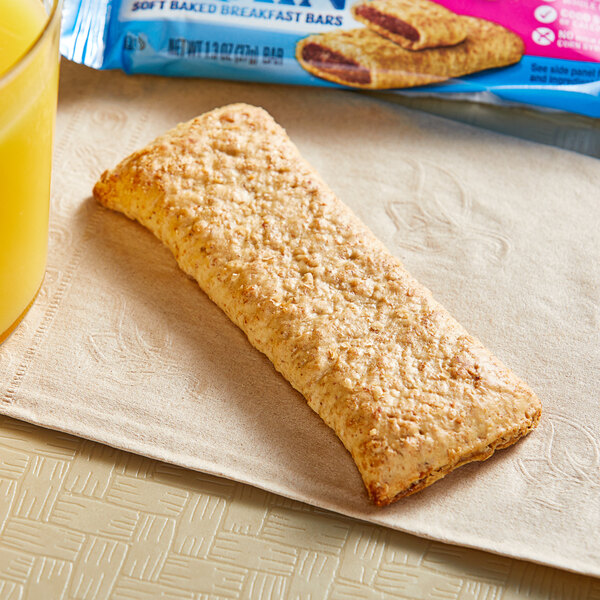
x=544, y=53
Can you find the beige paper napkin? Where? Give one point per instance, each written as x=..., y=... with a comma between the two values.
x=122, y=348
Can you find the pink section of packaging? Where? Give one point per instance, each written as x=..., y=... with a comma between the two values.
x=565, y=29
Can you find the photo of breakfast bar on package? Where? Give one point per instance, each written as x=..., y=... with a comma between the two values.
x=408, y=43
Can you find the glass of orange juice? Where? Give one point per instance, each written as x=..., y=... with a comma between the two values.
x=29, y=35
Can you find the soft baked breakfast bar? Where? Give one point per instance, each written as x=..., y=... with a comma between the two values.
x=408, y=391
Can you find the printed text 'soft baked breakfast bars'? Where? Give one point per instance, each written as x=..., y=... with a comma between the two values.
x=407, y=390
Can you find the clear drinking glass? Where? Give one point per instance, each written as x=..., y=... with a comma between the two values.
x=29, y=59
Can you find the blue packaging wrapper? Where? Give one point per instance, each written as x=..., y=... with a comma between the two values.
x=258, y=40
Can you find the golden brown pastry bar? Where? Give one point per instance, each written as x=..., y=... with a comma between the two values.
x=408, y=391
x=413, y=24
x=361, y=58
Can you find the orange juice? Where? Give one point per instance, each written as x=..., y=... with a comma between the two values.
x=28, y=90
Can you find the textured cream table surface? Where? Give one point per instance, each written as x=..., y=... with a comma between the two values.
x=82, y=520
